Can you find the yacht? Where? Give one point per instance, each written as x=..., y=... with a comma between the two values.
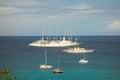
x=54, y=43
x=77, y=50
x=58, y=70
x=83, y=61
x=45, y=66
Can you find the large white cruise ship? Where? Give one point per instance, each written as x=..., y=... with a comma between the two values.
x=53, y=43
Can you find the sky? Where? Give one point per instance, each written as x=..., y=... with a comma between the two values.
x=59, y=17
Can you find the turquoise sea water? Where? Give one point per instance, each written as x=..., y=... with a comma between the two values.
x=104, y=62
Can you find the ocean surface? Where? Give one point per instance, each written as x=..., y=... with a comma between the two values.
x=24, y=61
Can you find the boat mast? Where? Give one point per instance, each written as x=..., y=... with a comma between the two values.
x=84, y=56
x=42, y=34
x=56, y=33
x=64, y=36
x=71, y=36
x=58, y=62
x=86, y=45
x=45, y=56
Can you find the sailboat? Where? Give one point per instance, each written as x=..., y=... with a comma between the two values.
x=84, y=60
x=45, y=66
x=58, y=70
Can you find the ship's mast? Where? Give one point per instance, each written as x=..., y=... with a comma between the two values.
x=58, y=62
x=45, y=56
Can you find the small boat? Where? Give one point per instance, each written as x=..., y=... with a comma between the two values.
x=83, y=61
x=58, y=70
x=45, y=66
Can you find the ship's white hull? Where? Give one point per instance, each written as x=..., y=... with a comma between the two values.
x=54, y=44
x=79, y=50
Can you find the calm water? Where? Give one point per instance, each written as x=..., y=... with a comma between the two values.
x=104, y=63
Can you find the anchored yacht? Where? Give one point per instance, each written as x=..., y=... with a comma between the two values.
x=58, y=70
x=78, y=50
x=83, y=61
x=45, y=66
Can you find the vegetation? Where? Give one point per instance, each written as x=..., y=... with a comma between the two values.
x=6, y=74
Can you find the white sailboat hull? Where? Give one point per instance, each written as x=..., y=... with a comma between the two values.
x=45, y=66
x=83, y=61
